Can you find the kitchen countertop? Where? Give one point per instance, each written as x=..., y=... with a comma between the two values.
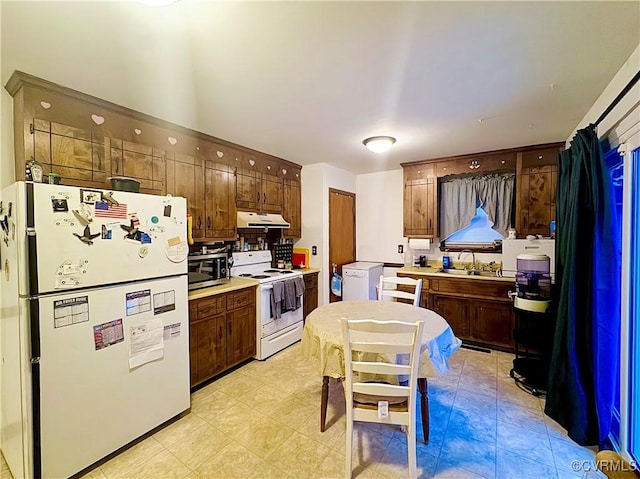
x=433, y=272
x=232, y=285
x=309, y=270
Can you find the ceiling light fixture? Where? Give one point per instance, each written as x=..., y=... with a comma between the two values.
x=379, y=144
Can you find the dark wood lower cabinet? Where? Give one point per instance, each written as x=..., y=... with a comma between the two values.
x=222, y=332
x=241, y=335
x=478, y=311
x=310, y=300
x=492, y=322
x=455, y=311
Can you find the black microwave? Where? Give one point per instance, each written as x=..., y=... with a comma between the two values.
x=208, y=269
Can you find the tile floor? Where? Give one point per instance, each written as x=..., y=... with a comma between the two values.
x=262, y=421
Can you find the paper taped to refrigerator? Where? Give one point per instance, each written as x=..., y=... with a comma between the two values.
x=106, y=334
x=163, y=302
x=171, y=331
x=70, y=311
x=146, y=342
x=138, y=302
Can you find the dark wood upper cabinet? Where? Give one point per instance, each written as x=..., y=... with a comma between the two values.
x=536, y=177
x=220, y=205
x=537, y=174
x=291, y=208
x=420, y=201
x=248, y=175
x=85, y=140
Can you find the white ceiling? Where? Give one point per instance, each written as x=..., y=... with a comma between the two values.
x=308, y=81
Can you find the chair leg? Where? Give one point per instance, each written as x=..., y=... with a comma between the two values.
x=324, y=399
x=424, y=408
x=349, y=446
x=411, y=449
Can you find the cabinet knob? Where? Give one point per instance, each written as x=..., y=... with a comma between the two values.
x=264, y=198
x=208, y=221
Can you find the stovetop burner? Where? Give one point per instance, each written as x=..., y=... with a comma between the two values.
x=260, y=276
x=286, y=272
x=245, y=275
x=271, y=271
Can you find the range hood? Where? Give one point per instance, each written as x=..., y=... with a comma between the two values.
x=259, y=220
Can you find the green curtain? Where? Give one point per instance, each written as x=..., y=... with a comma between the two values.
x=571, y=389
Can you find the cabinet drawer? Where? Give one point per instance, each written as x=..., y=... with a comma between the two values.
x=311, y=280
x=211, y=306
x=239, y=299
x=410, y=289
x=473, y=288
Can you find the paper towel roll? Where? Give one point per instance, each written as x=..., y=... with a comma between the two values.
x=419, y=244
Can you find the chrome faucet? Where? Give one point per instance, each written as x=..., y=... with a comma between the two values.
x=473, y=257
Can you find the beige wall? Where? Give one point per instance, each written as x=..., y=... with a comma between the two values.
x=379, y=216
x=316, y=181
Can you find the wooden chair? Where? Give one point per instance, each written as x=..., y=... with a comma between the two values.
x=364, y=342
x=388, y=285
x=614, y=466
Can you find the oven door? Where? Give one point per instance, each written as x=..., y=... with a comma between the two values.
x=270, y=325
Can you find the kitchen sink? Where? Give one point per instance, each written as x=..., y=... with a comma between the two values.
x=457, y=272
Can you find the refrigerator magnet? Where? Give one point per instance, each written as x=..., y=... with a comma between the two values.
x=90, y=196
x=177, y=252
x=59, y=205
x=87, y=237
x=145, y=238
x=143, y=251
x=105, y=232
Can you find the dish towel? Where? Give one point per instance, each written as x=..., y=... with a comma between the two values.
x=289, y=295
x=299, y=288
x=277, y=295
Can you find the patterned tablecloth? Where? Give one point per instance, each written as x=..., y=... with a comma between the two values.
x=322, y=335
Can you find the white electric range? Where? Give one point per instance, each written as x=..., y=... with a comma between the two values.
x=273, y=334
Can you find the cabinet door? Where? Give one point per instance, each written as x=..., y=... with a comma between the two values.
x=241, y=335
x=210, y=346
x=187, y=180
x=420, y=201
x=71, y=155
x=292, y=208
x=271, y=185
x=492, y=322
x=536, y=195
x=455, y=311
x=220, y=206
x=310, y=293
x=248, y=197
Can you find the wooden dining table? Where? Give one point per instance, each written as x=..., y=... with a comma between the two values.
x=322, y=341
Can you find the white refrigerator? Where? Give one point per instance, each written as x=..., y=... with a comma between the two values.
x=94, y=329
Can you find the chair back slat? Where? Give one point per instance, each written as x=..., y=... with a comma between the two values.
x=384, y=291
x=382, y=389
x=381, y=368
x=382, y=348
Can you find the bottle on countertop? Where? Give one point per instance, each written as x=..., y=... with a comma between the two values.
x=446, y=260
